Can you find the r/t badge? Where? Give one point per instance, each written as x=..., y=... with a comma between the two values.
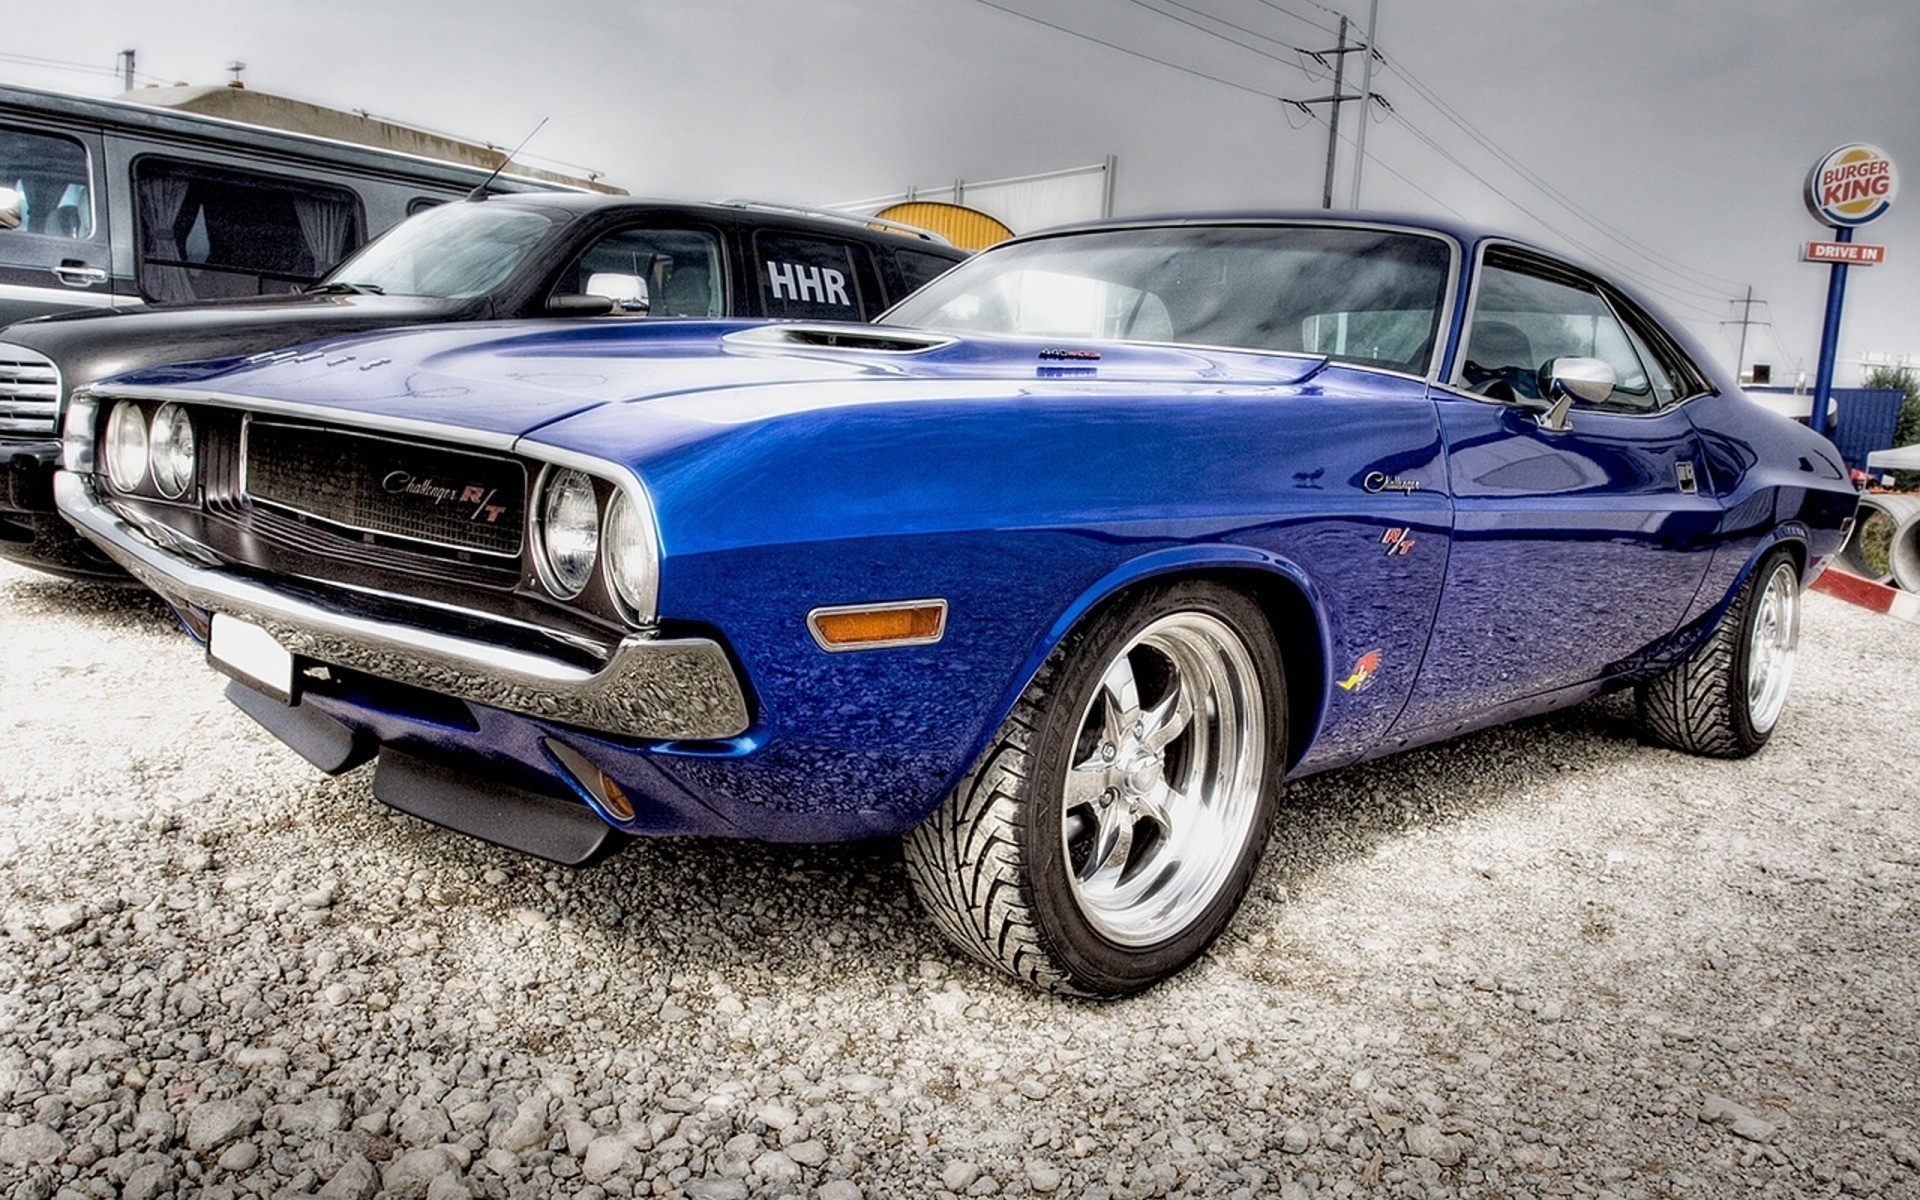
x=1397, y=540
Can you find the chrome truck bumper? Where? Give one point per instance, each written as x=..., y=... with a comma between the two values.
x=649, y=687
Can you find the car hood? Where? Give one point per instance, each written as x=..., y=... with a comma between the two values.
x=93, y=344
x=513, y=378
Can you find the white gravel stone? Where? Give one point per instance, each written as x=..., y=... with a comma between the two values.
x=31, y=1146
x=959, y=1175
x=213, y=1125
x=605, y=1157
x=1724, y=940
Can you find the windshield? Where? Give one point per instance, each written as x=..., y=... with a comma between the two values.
x=452, y=251
x=1357, y=295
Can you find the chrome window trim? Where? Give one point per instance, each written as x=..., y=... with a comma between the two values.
x=1455, y=387
x=1442, y=327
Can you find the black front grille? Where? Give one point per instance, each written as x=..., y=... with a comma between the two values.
x=384, y=488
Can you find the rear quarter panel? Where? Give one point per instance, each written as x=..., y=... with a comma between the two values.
x=1776, y=481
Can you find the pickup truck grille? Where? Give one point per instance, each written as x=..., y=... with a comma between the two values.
x=383, y=490
x=29, y=392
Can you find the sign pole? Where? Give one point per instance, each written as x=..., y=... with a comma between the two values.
x=1851, y=186
x=1829, y=338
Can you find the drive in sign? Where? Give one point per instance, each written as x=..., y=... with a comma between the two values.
x=1851, y=186
x=1858, y=254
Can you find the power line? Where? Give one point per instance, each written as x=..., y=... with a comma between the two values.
x=1087, y=37
x=61, y=64
x=1230, y=25
x=1605, y=259
x=1281, y=8
x=1212, y=33
x=1664, y=262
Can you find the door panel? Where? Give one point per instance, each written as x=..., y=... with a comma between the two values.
x=58, y=256
x=1572, y=551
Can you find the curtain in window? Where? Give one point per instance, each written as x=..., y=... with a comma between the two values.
x=162, y=196
x=327, y=224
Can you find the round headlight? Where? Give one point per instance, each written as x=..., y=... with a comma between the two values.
x=568, y=540
x=126, y=446
x=633, y=569
x=172, y=451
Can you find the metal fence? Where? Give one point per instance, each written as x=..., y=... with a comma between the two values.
x=1867, y=417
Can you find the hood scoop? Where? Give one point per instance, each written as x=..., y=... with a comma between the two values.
x=867, y=340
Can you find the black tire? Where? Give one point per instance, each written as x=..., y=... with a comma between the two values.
x=1702, y=706
x=992, y=865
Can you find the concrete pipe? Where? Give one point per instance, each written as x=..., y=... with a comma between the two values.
x=1885, y=546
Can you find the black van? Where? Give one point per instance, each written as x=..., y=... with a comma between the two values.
x=554, y=255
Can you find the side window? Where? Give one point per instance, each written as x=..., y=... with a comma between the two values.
x=681, y=269
x=216, y=232
x=811, y=279
x=917, y=269
x=49, y=175
x=1524, y=319
x=1673, y=372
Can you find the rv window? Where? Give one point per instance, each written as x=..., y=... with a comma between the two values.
x=211, y=232
x=50, y=175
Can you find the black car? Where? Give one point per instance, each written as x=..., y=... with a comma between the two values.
x=562, y=256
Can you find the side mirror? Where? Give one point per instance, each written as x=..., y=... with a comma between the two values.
x=11, y=209
x=1567, y=379
x=578, y=306
x=628, y=292
x=1588, y=380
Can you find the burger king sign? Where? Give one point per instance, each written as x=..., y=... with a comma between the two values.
x=1851, y=186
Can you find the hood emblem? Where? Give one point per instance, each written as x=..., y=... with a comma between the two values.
x=1062, y=354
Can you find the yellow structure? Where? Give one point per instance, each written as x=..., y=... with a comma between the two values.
x=967, y=228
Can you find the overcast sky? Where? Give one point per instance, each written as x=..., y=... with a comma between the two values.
x=1686, y=130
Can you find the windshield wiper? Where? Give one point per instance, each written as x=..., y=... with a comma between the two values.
x=338, y=286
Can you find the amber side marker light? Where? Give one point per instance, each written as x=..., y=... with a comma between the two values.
x=874, y=626
x=611, y=798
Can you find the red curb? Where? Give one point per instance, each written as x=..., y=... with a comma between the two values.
x=1868, y=594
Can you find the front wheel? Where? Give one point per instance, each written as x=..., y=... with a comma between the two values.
x=1726, y=698
x=1108, y=833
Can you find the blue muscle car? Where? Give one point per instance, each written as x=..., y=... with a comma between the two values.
x=1059, y=571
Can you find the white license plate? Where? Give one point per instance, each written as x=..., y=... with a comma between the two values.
x=249, y=654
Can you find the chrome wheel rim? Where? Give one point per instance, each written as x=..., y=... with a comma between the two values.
x=1164, y=781
x=1771, y=644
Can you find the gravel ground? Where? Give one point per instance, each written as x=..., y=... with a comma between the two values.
x=1542, y=961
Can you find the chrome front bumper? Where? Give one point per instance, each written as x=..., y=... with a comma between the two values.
x=669, y=688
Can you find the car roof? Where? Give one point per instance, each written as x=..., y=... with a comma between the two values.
x=579, y=204
x=1464, y=232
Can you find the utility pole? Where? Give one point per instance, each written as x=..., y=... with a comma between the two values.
x=1333, y=115
x=126, y=70
x=1746, y=319
x=1366, y=90
x=1340, y=96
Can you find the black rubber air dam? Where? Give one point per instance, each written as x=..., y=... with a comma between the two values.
x=562, y=831
x=314, y=736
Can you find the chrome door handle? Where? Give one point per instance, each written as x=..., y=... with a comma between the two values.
x=79, y=276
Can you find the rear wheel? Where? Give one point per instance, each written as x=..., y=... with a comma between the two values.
x=1109, y=832
x=1726, y=698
